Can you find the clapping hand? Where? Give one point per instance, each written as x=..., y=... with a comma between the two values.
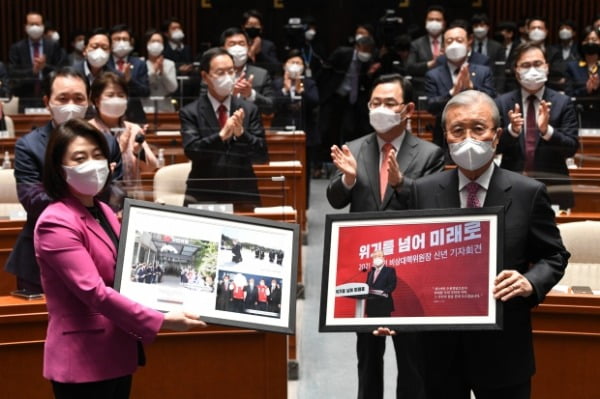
x=345, y=162
x=516, y=119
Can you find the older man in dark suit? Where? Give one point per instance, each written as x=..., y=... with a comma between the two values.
x=222, y=136
x=446, y=81
x=31, y=60
x=494, y=364
x=382, y=282
x=369, y=171
x=540, y=126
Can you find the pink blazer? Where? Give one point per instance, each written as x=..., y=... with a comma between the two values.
x=92, y=329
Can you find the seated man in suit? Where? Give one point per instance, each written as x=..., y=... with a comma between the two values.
x=66, y=98
x=222, y=136
x=133, y=69
x=31, y=60
x=445, y=81
x=540, y=126
x=253, y=83
x=368, y=170
x=534, y=258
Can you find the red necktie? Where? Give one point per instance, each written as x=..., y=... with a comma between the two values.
x=383, y=173
x=531, y=133
x=472, y=200
x=120, y=65
x=435, y=44
x=222, y=115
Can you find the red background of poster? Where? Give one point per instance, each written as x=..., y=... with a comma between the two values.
x=455, y=286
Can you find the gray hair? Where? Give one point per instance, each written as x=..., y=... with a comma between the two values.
x=470, y=98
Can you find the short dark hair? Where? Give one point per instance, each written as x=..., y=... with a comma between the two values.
x=106, y=78
x=95, y=32
x=64, y=72
x=461, y=23
x=167, y=22
x=568, y=22
x=252, y=13
x=234, y=30
x=53, y=178
x=480, y=19
x=405, y=84
x=525, y=47
x=436, y=7
x=294, y=53
x=208, y=56
x=537, y=18
x=121, y=28
x=149, y=33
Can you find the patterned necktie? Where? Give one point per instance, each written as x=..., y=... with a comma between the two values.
x=383, y=173
x=472, y=200
x=435, y=44
x=222, y=115
x=120, y=65
x=531, y=134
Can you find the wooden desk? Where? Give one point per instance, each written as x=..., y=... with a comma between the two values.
x=566, y=336
x=245, y=363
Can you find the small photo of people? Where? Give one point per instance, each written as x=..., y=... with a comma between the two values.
x=250, y=251
x=249, y=293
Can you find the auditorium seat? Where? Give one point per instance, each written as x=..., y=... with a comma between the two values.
x=581, y=240
x=9, y=201
x=169, y=183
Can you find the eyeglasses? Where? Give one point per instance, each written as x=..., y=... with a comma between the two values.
x=476, y=131
x=528, y=65
x=386, y=102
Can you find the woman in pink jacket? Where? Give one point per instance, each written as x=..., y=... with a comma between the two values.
x=94, y=337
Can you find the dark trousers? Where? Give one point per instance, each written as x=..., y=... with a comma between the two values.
x=370, y=350
x=116, y=388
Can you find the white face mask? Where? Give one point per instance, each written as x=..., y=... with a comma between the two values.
x=294, y=70
x=79, y=45
x=34, y=31
x=357, y=37
x=177, y=35
x=378, y=262
x=113, y=107
x=155, y=48
x=363, y=56
x=537, y=35
x=62, y=113
x=223, y=85
x=239, y=54
x=87, y=178
x=480, y=32
x=55, y=36
x=456, y=52
x=97, y=58
x=121, y=48
x=565, y=34
x=533, y=78
x=433, y=27
x=471, y=154
x=383, y=119
x=310, y=34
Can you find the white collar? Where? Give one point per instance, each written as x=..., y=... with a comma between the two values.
x=483, y=180
x=216, y=103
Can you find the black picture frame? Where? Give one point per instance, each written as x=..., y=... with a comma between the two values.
x=444, y=270
x=176, y=258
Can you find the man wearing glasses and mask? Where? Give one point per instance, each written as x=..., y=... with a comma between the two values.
x=370, y=169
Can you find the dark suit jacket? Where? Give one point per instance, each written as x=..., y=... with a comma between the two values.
x=549, y=155
x=139, y=86
x=438, y=83
x=4, y=81
x=380, y=306
x=29, y=165
x=577, y=76
x=267, y=58
x=532, y=245
x=229, y=163
x=179, y=57
x=20, y=66
x=416, y=158
x=420, y=54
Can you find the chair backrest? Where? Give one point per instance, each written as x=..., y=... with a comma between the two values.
x=170, y=183
x=9, y=201
x=10, y=126
x=11, y=107
x=581, y=240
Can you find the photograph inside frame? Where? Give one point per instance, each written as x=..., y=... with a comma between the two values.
x=231, y=270
x=412, y=270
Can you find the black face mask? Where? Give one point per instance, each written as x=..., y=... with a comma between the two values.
x=590, y=48
x=252, y=32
